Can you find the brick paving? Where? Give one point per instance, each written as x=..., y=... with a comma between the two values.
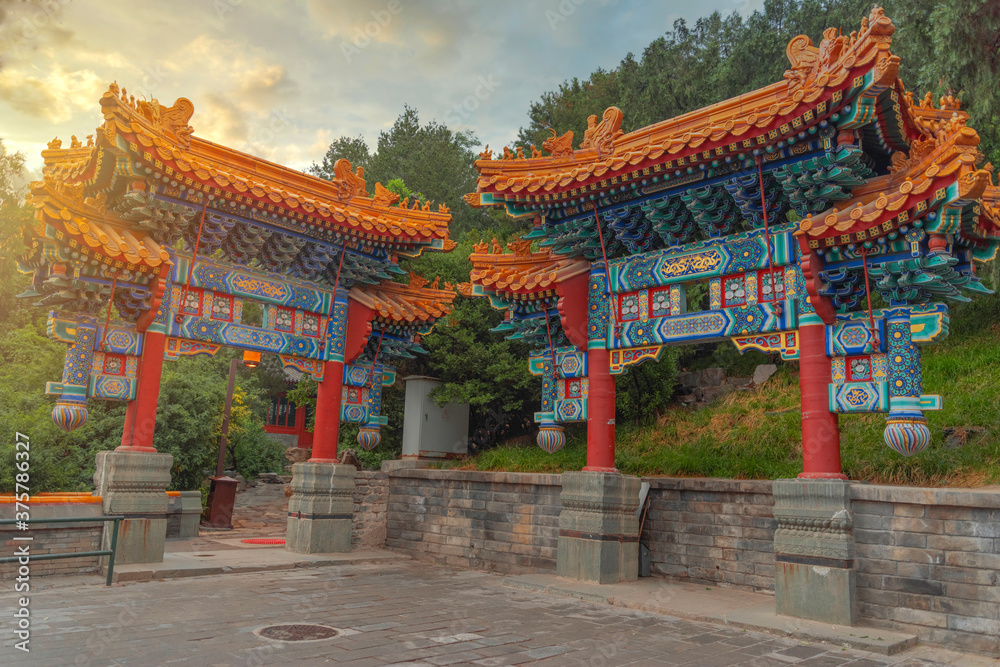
x=405, y=614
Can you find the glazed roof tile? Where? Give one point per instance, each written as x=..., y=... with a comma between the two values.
x=930, y=165
x=418, y=302
x=86, y=222
x=521, y=270
x=606, y=152
x=161, y=135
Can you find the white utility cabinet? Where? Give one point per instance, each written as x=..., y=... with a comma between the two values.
x=429, y=431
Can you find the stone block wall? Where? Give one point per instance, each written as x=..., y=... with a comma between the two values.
x=502, y=522
x=928, y=561
x=53, y=538
x=371, y=501
x=715, y=531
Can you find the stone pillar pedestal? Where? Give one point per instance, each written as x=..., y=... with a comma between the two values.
x=321, y=509
x=814, y=550
x=134, y=484
x=183, y=514
x=190, y=514
x=598, y=529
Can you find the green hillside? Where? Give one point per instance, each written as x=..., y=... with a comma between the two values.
x=756, y=434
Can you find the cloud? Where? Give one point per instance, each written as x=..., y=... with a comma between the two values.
x=23, y=23
x=56, y=97
x=265, y=85
x=222, y=121
x=302, y=154
x=349, y=19
x=273, y=78
x=249, y=76
x=422, y=33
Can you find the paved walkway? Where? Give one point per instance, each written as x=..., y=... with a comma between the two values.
x=402, y=613
x=261, y=511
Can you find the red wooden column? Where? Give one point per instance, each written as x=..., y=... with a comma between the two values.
x=349, y=332
x=140, y=415
x=585, y=311
x=600, y=412
x=302, y=437
x=577, y=295
x=328, y=398
x=820, y=430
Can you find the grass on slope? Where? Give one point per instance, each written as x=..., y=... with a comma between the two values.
x=757, y=434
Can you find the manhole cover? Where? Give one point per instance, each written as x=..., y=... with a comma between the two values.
x=262, y=540
x=297, y=632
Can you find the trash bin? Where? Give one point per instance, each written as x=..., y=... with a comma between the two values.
x=221, y=499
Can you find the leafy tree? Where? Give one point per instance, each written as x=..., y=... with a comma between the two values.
x=251, y=450
x=476, y=366
x=189, y=417
x=431, y=159
x=14, y=215
x=952, y=45
x=183, y=429
x=353, y=149
x=645, y=391
x=11, y=177
x=397, y=186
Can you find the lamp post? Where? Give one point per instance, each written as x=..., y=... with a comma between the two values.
x=222, y=492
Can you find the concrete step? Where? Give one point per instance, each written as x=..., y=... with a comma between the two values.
x=742, y=609
x=235, y=561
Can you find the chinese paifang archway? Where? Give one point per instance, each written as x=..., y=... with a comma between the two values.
x=794, y=203
x=181, y=233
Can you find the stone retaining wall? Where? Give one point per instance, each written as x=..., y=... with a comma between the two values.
x=716, y=531
x=53, y=538
x=928, y=561
x=371, y=499
x=502, y=522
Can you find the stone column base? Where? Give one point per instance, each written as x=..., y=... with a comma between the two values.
x=598, y=528
x=190, y=514
x=134, y=485
x=814, y=550
x=321, y=509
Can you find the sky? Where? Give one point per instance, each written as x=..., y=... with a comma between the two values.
x=281, y=79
